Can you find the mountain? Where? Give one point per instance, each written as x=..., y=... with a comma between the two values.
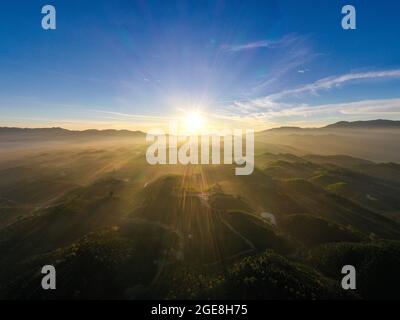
x=369, y=124
x=56, y=132
x=115, y=227
x=22, y=138
x=375, y=140
x=372, y=124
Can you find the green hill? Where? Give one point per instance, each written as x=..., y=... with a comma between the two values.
x=376, y=264
x=116, y=227
x=312, y=230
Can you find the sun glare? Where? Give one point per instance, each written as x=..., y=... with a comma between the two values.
x=194, y=122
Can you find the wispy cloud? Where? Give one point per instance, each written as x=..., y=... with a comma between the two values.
x=302, y=71
x=249, y=46
x=274, y=101
x=292, y=52
x=282, y=42
x=364, y=107
x=304, y=114
x=129, y=116
x=336, y=81
x=378, y=107
x=275, y=108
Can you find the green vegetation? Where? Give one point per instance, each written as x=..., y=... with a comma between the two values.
x=115, y=227
x=377, y=265
x=264, y=276
x=312, y=230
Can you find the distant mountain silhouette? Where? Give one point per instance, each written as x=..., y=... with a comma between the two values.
x=389, y=124
x=370, y=124
x=56, y=133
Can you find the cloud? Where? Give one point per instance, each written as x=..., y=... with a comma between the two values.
x=378, y=107
x=248, y=46
x=336, y=81
x=293, y=52
x=128, y=117
x=367, y=107
x=302, y=71
x=271, y=44
x=274, y=101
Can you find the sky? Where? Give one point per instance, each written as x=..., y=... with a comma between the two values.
x=243, y=64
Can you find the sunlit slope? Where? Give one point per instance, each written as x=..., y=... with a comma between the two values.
x=317, y=183
x=31, y=182
x=322, y=203
x=74, y=216
x=214, y=226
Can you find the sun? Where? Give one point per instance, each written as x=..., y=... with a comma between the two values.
x=194, y=122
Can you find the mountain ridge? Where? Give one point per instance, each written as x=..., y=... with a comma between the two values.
x=359, y=124
x=367, y=124
x=67, y=131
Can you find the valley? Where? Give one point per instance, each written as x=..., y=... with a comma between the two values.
x=116, y=227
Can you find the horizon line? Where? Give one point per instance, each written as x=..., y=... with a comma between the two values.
x=141, y=131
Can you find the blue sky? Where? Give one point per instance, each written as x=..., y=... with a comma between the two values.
x=136, y=64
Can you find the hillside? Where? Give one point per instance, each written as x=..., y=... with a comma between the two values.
x=116, y=227
x=376, y=140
